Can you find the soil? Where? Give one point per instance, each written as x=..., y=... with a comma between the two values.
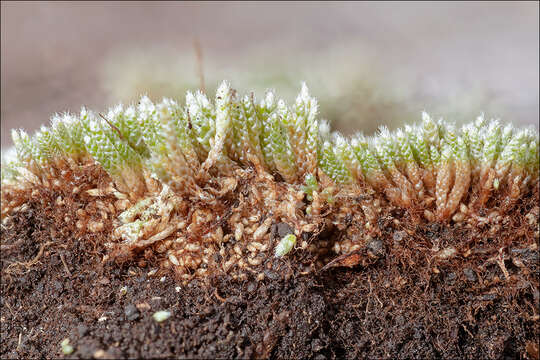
x=398, y=304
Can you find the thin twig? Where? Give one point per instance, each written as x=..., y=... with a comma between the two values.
x=6, y=247
x=219, y=297
x=65, y=265
x=34, y=260
x=117, y=131
x=199, y=56
x=10, y=309
x=369, y=298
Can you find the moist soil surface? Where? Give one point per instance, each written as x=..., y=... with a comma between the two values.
x=387, y=306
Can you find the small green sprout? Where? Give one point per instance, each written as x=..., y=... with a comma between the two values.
x=328, y=195
x=130, y=214
x=67, y=349
x=310, y=186
x=162, y=315
x=285, y=245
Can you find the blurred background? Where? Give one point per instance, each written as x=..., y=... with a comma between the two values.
x=369, y=63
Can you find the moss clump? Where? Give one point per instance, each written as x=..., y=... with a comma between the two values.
x=202, y=184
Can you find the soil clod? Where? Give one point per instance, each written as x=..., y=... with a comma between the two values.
x=381, y=301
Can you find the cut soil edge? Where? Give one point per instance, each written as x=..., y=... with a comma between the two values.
x=399, y=303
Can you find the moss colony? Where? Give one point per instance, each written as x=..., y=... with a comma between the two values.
x=199, y=188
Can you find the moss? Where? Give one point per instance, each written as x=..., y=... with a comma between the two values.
x=184, y=176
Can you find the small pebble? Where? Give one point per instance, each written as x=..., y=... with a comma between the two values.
x=82, y=330
x=399, y=236
x=451, y=278
x=271, y=274
x=375, y=248
x=470, y=274
x=281, y=229
x=131, y=312
x=251, y=287
x=143, y=306
x=100, y=354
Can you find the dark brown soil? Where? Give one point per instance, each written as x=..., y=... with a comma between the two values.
x=399, y=304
